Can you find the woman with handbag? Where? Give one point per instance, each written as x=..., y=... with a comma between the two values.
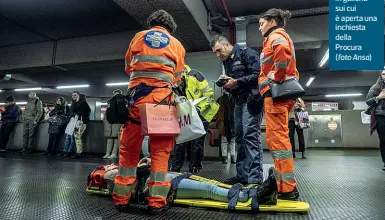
x=57, y=121
x=278, y=65
x=294, y=126
x=376, y=102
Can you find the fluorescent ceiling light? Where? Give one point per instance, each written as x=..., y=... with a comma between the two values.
x=29, y=89
x=344, y=95
x=74, y=86
x=117, y=84
x=324, y=59
x=310, y=81
x=17, y=103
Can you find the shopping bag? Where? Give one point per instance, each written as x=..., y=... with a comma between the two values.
x=191, y=126
x=71, y=125
x=158, y=120
x=303, y=119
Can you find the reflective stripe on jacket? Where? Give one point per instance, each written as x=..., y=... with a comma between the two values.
x=278, y=57
x=153, y=57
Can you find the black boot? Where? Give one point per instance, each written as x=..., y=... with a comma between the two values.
x=122, y=208
x=224, y=160
x=303, y=155
x=194, y=170
x=155, y=211
x=234, y=180
x=268, y=192
x=293, y=195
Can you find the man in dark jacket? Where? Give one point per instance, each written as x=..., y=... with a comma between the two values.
x=10, y=117
x=31, y=118
x=242, y=70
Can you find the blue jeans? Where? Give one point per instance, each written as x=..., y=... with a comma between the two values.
x=69, y=144
x=193, y=189
x=145, y=144
x=249, y=145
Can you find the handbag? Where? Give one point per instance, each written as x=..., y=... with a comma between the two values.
x=286, y=90
x=158, y=120
x=191, y=126
x=71, y=125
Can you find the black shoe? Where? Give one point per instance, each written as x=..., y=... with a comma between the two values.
x=293, y=154
x=383, y=168
x=174, y=170
x=293, y=195
x=45, y=153
x=194, y=170
x=303, y=155
x=233, y=181
x=155, y=211
x=76, y=156
x=66, y=154
x=122, y=208
x=224, y=160
x=233, y=161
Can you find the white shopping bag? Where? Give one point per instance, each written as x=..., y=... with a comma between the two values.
x=191, y=126
x=71, y=125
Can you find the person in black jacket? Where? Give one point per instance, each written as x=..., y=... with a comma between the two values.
x=83, y=111
x=57, y=121
x=242, y=68
x=10, y=117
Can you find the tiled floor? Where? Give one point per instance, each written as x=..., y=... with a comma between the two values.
x=337, y=185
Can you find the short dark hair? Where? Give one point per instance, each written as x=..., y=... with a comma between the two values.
x=218, y=38
x=280, y=16
x=118, y=91
x=76, y=92
x=163, y=19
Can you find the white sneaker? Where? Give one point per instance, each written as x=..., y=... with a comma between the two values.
x=106, y=156
x=112, y=156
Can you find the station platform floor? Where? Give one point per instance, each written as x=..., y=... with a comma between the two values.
x=337, y=184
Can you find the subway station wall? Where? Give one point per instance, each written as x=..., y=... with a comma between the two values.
x=354, y=135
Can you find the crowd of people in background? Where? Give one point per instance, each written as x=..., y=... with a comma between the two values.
x=58, y=119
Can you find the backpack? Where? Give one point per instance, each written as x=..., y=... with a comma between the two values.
x=117, y=111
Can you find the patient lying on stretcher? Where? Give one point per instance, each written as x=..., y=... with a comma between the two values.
x=191, y=187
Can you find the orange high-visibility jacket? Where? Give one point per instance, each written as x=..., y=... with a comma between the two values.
x=278, y=56
x=153, y=57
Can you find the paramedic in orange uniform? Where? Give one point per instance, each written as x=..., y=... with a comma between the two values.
x=278, y=63
x=152, y=58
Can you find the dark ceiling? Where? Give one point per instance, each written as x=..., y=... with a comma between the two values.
x=55, y=42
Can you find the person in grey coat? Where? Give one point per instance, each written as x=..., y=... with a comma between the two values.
x=31, y=117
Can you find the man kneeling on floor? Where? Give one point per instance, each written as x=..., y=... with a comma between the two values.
x=184, y=186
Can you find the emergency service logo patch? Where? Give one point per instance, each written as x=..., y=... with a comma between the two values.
x=156, y=39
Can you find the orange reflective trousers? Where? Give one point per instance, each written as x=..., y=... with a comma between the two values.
x=277, y=137
x=131, y=143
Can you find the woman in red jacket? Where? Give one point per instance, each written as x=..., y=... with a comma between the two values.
x=278, y=64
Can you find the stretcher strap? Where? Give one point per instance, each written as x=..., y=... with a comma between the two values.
x=233, y=196
x=175, y=182
x=254, y=199
x=174, y=186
